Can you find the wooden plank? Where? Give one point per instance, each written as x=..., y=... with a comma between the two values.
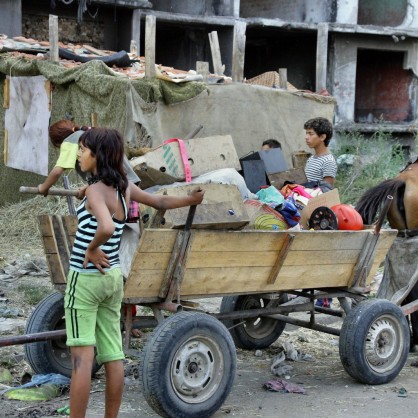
x=51, y=249
x=238, y=51
x=56, y=271
x=273, y=240
x=150, y=31
x=216, y=281
x=283, y=78
x=202, y=68
x=197, y=260
x=95, y=50
x=216, y=53
x=280, y=258
x=171, y=265
x=157, y=240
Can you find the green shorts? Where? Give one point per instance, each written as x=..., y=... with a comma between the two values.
x=92, y=312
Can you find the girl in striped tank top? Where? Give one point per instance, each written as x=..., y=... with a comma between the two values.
x=94, y=291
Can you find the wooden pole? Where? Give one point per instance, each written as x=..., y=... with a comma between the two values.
x=216, y=53
x=53, y=38
x=238, y=51
x=52, y=191
x=202, y=68
x=283, y=78
x=150, y=26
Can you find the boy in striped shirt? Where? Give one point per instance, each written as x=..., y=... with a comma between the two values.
x=320, y=167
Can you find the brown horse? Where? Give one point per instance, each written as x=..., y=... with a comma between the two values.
x=402, y=215
x=403, y=212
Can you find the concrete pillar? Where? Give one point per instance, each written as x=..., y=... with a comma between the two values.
x=321, y=57
x=136, y=29
x=344, y=86
x=347, y=11
x=11, y=17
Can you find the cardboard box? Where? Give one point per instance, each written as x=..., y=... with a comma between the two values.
x=296, y=175
x=327, y=199
x=164, y=165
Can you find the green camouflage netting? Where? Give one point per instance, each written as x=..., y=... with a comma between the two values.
x=80, y=91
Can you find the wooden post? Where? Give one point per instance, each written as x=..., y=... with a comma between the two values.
x=283, y=78
x=136, y=30
x=94, y=120
x=321, y=57
x=216, y=53
x=238, y=51
x=202, y=68
x=53, y=38
x=150, y=26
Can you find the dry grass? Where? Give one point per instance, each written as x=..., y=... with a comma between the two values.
x=19, y=231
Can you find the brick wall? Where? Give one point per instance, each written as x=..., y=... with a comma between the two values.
x=88, y=32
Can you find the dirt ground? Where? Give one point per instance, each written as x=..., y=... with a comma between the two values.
x=330, y=391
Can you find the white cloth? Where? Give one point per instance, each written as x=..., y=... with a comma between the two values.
x=26, y=122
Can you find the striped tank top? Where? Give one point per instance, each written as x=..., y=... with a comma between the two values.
x=87, y=226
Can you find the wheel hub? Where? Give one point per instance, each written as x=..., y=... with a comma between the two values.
x=196, y=370
x=381, y=342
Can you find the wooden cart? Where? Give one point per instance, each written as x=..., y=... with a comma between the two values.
x=187, y=367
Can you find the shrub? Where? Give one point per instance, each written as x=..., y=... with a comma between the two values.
x=365, y=162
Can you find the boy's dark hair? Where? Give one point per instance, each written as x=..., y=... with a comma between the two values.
x=108, y=147
x=61, y=130
x=272, y=143
x=320, y=126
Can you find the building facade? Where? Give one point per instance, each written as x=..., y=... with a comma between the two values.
x=363, y=52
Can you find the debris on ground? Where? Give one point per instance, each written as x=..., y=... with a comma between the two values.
x=283, y=386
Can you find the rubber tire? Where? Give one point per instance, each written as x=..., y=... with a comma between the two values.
x=364, y=326
x=168, y=348
x=51, y=356
x=245, y=337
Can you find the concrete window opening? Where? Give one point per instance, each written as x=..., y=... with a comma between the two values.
x=382, y=12
x=269, y=50
x=384, y=90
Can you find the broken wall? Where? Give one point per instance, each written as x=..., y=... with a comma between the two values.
x=343, y=65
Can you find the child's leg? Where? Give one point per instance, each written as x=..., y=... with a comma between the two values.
x=114, y=388
x=82, y=363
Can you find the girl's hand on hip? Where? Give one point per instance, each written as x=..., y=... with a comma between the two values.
x=98, y=258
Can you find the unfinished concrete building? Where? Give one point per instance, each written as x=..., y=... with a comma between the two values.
x=363, y=52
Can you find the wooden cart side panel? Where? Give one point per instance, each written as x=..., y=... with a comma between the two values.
x=58, y=234
x=237, y=262
x=56, y=269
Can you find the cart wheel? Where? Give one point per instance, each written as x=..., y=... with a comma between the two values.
x=188, y=366
x=51, y=356
x=374, y=342
x=253, y=333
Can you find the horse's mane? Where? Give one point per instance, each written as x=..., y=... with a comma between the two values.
x=372, y=200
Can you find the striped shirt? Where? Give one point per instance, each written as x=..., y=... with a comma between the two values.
x=87, y=227
x=318, y=167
